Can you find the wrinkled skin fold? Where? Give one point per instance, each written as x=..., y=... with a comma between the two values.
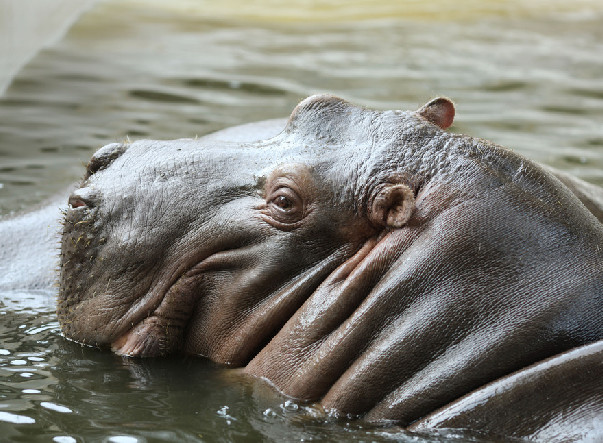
x=368, y=260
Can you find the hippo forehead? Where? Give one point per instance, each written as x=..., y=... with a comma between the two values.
x=345, y=147
x=320, y=129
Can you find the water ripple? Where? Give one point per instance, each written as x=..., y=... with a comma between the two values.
x=14, y=418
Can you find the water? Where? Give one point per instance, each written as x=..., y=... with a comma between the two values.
x=527, y=75
x=55, y=390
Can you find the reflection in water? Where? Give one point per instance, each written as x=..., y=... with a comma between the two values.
x=524, y=74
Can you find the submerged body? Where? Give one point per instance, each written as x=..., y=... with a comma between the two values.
x=367, y=260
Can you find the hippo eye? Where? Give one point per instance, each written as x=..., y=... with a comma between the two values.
x=286, y=200
x=284, y=208
x=283, y=203
x=289, y=197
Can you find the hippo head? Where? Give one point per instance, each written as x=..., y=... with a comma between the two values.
x=365, y=258
x=209, y=248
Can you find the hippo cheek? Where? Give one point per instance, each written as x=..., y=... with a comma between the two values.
x=247, y=294
x=241, y=313
x=232, y=302
x=226, y=308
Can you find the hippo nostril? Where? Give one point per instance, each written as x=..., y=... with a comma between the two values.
x=104, y=157
x=83, y=197
x=77, y=202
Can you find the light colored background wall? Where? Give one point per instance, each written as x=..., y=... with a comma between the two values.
x=26, y=26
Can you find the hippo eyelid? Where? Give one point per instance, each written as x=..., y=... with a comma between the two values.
x=285, y=207
x=284, y=194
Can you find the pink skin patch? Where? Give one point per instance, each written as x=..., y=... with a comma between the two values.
x=76, y=202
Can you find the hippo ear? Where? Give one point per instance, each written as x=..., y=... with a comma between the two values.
x=393, y=206
x=439, y=111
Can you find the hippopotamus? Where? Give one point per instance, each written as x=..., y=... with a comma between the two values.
x=370, y=261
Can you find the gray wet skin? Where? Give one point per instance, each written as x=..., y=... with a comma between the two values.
x=368, y=260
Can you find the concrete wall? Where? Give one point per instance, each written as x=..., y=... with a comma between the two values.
x=27, y=26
